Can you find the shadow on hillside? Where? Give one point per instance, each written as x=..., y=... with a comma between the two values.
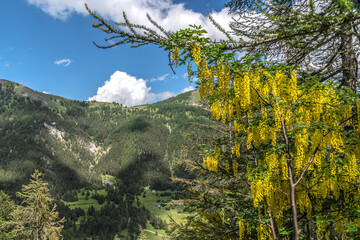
x=139, y=124
x=146, y=169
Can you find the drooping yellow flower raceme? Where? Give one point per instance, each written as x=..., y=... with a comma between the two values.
x=175, y=55
x=210, y=162
x=242, y=229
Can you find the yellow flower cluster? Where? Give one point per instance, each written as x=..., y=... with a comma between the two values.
x=175, y=55
x=235, y=168
x=261, y=188
x=267, y=106
x=223, y=78
x=235, y=149
x=211, y=162
x=242, y=229
x=206, y=73
x=301, y=146
x=263, y=232
x=353, y=170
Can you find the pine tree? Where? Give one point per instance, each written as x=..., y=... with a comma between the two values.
x=7, y=206
x=37, y=218
x=319, y=36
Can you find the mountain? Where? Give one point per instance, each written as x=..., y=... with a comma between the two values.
x=76, y=143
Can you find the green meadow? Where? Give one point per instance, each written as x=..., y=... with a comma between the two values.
x=84, y=203
x=160, y=207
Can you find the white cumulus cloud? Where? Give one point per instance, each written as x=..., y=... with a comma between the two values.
x=170, y=15
x=64, y=62
x=129, y=91
x=125, y=89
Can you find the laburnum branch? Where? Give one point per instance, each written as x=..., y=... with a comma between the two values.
x=307, y=166
x=272, y=223
x=257, y=92
x=290, y=177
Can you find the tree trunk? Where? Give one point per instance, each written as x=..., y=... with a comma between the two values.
x=292, y=184
x=293, y=204
x=348, y=58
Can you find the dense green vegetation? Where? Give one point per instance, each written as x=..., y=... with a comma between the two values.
x=80, y=145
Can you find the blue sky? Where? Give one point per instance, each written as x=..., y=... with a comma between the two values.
x=47, y=46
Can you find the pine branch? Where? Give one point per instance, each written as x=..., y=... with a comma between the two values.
x=221, y=29
x=168, y=34
x=322, y=29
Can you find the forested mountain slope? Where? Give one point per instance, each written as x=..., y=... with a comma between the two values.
x=74, y=143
